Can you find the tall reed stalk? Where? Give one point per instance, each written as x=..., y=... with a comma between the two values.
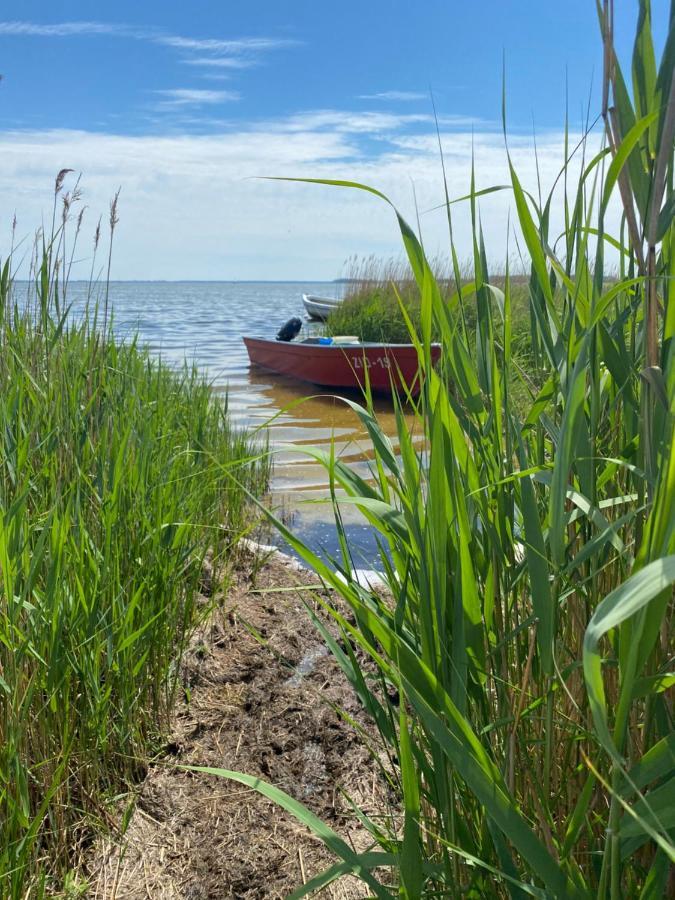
x=519, y=671
x=112, y=487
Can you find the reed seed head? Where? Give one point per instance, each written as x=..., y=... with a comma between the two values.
x=60, y=178
x=114, y=218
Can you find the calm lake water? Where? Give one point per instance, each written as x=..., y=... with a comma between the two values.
x=204, y=322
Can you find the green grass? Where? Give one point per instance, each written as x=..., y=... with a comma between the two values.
x=113, y=485
x=520, y=673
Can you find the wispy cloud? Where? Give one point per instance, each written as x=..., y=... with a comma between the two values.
x=213, y=58
x=230, y=53
x=64, y=29
x=192, y=97
x=225, y=54
x=370, y=122
x=222, y=62
x=215, y=45
x=349, y=121
x=394, y=95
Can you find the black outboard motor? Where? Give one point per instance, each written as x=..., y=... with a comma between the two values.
x=290, y=330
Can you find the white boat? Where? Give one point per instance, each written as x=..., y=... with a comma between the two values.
x=319, y=307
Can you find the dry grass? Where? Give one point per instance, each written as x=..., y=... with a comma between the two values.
x=249, y=708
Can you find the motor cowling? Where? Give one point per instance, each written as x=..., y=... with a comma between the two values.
x=290, y=330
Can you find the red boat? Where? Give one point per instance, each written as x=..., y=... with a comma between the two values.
x=341, y=365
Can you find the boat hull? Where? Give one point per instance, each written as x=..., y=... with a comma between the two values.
x=388, y=366
x=319, y=308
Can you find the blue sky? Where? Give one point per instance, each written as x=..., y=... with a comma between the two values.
x=181, y=106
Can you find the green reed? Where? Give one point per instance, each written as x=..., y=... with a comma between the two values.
x=113, y=487
x=375, y=316
x=520, y=670
x=377, y=288
x=384, y=304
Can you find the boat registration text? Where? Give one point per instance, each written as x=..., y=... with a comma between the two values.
x=381, y=361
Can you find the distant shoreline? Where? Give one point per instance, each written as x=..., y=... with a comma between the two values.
x=206, y=281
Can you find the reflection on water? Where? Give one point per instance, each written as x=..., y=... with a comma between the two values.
x=203, y=322
x=297, y=414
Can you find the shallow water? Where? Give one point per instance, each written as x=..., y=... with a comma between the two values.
x=203, y=322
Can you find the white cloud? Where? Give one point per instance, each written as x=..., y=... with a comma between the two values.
x=222, y=62
x=395, y=95
x=63, y=29
x=191, y=206
x=236, y=53
x=348, y=121
x=215, y=45
x=371, y=122
x=192, y=97
x=215, y=58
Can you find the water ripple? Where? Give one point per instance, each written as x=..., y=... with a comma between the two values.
x=203, y=323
